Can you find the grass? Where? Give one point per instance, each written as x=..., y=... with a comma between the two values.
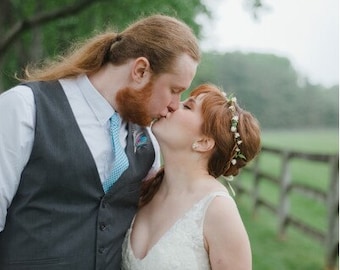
x=310, y=140
x=297, y=250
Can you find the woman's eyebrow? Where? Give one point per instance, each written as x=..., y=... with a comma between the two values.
x=190, y=100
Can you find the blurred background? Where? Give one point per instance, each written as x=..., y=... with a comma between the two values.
x=281, y=60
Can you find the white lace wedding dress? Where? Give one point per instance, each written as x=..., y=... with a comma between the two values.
x=181, y=247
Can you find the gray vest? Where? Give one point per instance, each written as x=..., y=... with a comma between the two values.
x=60, y=217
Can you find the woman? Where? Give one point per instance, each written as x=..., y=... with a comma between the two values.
x=186, y=218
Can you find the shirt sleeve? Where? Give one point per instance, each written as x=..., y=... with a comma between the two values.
x=17, y=124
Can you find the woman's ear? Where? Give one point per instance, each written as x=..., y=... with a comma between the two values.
x=204, y=144
x=141, y=70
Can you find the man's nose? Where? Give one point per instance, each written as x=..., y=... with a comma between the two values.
x=174, y=104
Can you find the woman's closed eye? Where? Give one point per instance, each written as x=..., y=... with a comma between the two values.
x=187, y=107
x=189, y=104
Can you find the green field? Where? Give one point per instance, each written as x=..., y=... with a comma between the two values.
x=296, y=251
x=312, y=141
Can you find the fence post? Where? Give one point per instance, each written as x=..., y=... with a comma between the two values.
x=332, y=235
x=283, y=207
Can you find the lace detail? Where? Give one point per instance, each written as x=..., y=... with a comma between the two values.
x=181, y=247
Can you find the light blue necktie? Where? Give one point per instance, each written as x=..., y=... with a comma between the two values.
x=121, y=162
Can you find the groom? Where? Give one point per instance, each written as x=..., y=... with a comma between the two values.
x=56, y=152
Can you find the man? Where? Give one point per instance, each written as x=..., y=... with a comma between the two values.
x=58, y=210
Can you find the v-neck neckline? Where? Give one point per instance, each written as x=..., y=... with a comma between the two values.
x=167, y=232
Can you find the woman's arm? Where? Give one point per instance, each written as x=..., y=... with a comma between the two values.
x=225, y=236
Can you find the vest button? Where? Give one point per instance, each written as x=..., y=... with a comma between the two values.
x=101, y=250
x=102, y=226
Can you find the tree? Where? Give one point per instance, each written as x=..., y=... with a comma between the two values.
x=36, y=20
x=32, y=30
x=267, y=85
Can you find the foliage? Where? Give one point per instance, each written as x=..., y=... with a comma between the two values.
x=266, y=85
x=42, y=31
x=269, y=87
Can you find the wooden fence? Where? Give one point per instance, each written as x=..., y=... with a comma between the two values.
x=330, y=198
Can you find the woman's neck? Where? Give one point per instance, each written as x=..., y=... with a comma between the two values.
x=183, y=173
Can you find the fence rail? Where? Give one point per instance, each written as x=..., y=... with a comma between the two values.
x=330, y=198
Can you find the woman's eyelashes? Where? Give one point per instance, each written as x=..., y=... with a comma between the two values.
x=189, y=104
x=186, y=106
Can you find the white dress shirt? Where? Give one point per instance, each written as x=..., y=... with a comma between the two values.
x=17, y=127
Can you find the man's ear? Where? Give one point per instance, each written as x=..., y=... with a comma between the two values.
x=141, y=70
x=204, y=144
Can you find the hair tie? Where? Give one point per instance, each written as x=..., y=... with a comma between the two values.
x=118, y=38
x=107, y=55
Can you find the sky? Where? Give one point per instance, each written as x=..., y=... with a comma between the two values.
x=305, y=31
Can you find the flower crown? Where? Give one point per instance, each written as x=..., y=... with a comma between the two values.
x=231, y=101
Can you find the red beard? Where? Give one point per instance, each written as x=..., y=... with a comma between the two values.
x=132, y=105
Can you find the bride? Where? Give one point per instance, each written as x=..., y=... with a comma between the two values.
x=187, y=219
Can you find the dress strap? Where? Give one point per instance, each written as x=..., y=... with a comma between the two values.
x=208, y=200
x=133, y=221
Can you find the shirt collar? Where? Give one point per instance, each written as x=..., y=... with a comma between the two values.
x=99, y=105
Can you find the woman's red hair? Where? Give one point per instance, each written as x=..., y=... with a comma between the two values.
x=217, y=118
